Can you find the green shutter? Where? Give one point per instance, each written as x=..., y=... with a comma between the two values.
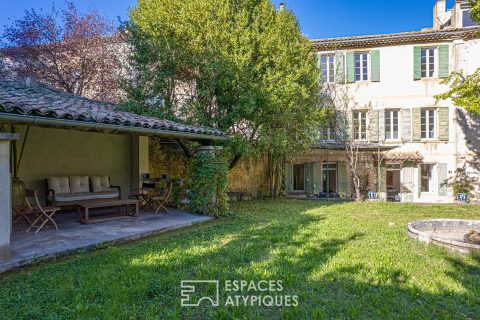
x=443, y=124
x=317, y=177
x=406, y=125
x=373, y=126
x=375, y=65
x=340, y=67
x=309, y=177
x=381, y=125
x=444, y=61
x=383, y=177
x=350, y=67
x=288, y=177
x=417, y=63
x=416, y=124
x=342, y=178
x=442, y=179
x=408, y=181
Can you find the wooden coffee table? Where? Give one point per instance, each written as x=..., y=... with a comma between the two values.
x=121, y=208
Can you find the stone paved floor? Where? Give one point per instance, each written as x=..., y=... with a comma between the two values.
x=28, y=248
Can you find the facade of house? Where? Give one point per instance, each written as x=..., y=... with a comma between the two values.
x=398, y=76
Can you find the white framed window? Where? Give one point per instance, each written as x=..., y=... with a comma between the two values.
x=362, y=66
x=427, y=182
x=328, y=133
x=327, y=65
x=428, y=62
x=360, y=125
x=428, y=123
x=392, y=125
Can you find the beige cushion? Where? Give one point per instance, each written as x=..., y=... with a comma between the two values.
x=60, y=185
x=100, y=184
x=79, y=184
x=87, y=196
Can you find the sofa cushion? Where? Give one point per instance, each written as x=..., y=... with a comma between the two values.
x=79, y=184
x=100, y=184
x=86, y=196
x=60, y=185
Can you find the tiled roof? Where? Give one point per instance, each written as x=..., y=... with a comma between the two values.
x=380, y=40
x=403, y=156
x=29, y=98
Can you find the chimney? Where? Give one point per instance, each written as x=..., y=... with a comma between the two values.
x=439, y=10
x=282, y=7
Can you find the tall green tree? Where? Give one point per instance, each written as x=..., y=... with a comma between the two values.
x=465, y=89
x=240, y=66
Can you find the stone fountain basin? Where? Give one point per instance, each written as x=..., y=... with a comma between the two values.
x=445, y=232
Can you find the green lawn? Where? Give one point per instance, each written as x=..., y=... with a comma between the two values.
x=342, y=260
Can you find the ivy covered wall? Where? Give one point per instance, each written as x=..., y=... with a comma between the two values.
x=247, y=177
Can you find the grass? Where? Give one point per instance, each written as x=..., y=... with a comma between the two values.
x=342, y=260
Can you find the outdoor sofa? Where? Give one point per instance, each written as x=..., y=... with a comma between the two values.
x=64, y=191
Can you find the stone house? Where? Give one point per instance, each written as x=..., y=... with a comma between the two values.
x=421, y=143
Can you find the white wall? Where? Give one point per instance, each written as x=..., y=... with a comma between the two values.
x=398, y=89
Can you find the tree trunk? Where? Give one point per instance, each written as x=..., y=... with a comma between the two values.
x=234, y=161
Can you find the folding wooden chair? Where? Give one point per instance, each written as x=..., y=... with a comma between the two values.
x=146, y=194
x=160, y=200
x=44, y=214
x=19, y=213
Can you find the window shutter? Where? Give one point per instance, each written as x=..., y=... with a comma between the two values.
x=340, y=67
x=442, y=179
x=342, y=178
x=319, y=61
x=443, y=124
x=317, y=177
x=375, y=65
x=381, y=125
x=309, y=177
x=406, y=125
x=288, y=177
x=373, y=126
x=383, y=177
x=419, y=179
x=444, y=61
x=417, y=63
x=350, y=67
x=408, y=181
x=416, y=124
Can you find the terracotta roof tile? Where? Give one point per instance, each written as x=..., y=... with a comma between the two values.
x=31, y=98
x=403, y=156
x=379, y=40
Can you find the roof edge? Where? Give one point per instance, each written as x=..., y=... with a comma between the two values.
x=102, y=127
x=395, y=38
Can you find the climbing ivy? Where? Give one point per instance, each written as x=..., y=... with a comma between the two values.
x=208, y=172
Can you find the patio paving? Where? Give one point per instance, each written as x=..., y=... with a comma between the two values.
x=28, y=248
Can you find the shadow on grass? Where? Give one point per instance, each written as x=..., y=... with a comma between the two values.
x=267, y=243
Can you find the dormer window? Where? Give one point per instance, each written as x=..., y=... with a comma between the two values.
x=467, y=20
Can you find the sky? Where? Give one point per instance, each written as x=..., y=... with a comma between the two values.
x=318, y=18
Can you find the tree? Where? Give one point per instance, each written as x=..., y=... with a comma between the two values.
x=342, y=106
x=240, y=66
x=67, y=50
x=465, y=89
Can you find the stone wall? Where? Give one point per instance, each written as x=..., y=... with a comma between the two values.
x=167, y=157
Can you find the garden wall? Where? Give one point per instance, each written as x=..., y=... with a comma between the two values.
x=245, y=179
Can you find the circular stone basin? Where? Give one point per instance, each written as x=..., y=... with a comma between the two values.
x=445, y=232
